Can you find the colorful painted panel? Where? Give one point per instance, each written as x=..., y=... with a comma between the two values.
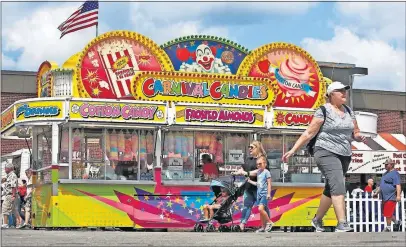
x=205, y=54
x=297, y=74
x=109, y=62
x=42, y=206
x=148, y=206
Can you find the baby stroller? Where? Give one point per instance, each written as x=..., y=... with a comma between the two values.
x=223, y=215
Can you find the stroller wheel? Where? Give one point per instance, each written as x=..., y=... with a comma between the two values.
x=223, y=229
x=210, y=228
x=226, y=229
x=196, y=227
x=236, y=228
x=199, y=228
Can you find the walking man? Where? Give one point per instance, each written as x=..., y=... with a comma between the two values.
x=390, y=192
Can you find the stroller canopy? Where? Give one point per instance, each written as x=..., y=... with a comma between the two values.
x=216, y=186
x=234, y=191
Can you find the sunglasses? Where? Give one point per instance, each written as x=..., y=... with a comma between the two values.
x=251, y=147
x=340, y=90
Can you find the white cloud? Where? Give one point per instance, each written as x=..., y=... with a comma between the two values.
x=37, y=36
x=166, y=21
x=31, y=28
x=377, y=20
x=386, y=64
x=368, y=34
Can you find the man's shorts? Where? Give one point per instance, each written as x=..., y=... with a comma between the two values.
x=8, y=205
x=389, y=208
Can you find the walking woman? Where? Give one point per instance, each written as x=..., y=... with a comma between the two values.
x=332, y=151
x=250, y=194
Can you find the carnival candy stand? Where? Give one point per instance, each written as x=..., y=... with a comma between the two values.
x=118, y=130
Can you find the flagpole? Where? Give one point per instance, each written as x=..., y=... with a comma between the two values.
x=97, y=30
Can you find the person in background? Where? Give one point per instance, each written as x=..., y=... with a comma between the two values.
x=19, y=204
x=22, y=191
x=334, y=133
x=375, y=192
x=17, y=209
x=3, y=184
x=209, y=209
x=256, y=150
x=390, y=193
x=10, y=192
x=28, y=199
x=357, y=191
x=369, y=186
x=263, y=185
x=210, y=170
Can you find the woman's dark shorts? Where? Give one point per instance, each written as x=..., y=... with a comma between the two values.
x=333, y=167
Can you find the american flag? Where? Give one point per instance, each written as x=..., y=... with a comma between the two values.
x=86, y=16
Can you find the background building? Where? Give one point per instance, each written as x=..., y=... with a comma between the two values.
x=389, y=106
x=16, y=85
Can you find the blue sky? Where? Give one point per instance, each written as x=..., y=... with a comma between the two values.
x=367, y=34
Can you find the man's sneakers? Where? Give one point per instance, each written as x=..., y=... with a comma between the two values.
x=387, y=229
x=343, y=227
x=318, y=225
x=397, y=226
x=5, y=226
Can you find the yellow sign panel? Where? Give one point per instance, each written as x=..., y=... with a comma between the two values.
x=117, y=112
x=203, y=88
x=199, y=115
x=7, y=119
x=40, y=110
x=292, y=119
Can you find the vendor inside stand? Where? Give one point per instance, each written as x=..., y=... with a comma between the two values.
x=186, y=153
x=110, y=153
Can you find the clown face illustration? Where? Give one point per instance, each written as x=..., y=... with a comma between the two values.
x=205, y=57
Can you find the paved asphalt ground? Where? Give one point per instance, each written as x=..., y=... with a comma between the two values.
x=12, y=237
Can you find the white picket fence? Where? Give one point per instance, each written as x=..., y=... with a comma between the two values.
x=364, y=213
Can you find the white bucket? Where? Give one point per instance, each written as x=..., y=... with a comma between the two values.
x=367, y=123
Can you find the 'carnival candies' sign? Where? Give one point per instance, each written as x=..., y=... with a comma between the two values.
x=292, y=119
x=198, y=115
x=203, y=88
x=117, y=112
